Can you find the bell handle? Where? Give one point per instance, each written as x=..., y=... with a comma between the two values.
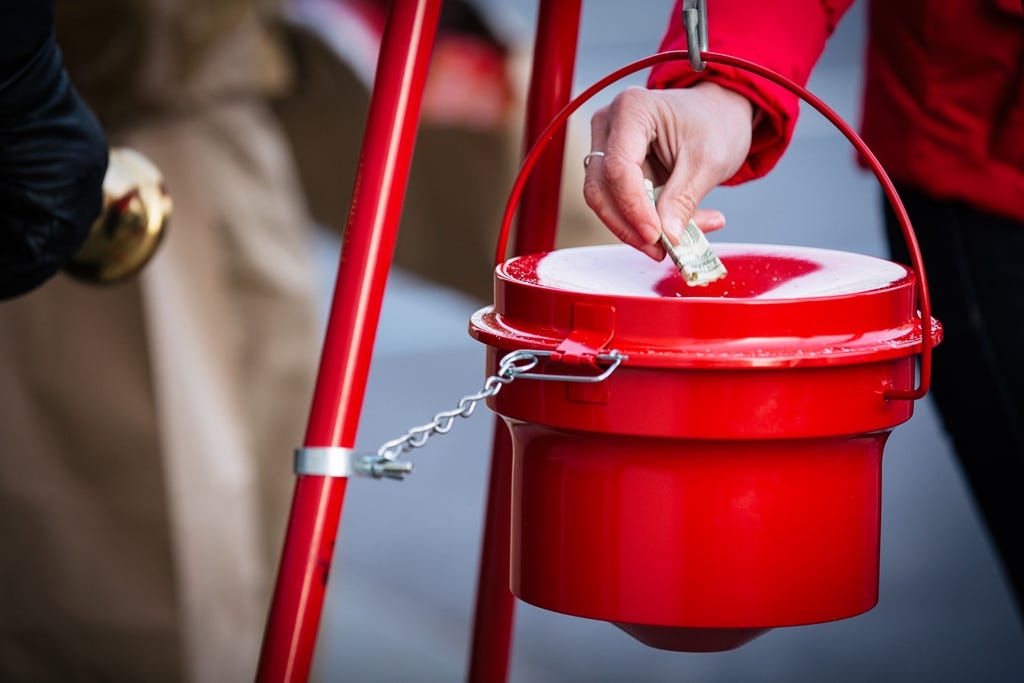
x=928, y=330
x=131, y=226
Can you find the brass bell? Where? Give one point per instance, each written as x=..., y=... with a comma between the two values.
x=136, y=210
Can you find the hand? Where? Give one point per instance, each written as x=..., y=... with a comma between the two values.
x=690, y=140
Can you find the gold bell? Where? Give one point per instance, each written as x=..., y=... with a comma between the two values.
x=136, y=210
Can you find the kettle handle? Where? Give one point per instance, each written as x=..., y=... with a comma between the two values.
x=928, y=329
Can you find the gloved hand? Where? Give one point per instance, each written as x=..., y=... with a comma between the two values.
x=53, y=153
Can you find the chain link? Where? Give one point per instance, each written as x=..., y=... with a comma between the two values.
x=512, y=365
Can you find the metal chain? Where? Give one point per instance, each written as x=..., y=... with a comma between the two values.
x=512, y=366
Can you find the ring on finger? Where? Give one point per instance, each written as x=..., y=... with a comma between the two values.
x=589, y=157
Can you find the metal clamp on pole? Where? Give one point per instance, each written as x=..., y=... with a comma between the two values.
x=695, y=19
x=335, y=461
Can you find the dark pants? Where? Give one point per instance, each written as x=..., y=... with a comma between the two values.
x=974, y=263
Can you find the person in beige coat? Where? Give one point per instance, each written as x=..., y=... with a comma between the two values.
x=146, y=428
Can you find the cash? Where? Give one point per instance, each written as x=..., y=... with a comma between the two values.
x=696, y=260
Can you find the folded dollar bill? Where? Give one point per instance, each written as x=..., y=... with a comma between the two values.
x=696, y=260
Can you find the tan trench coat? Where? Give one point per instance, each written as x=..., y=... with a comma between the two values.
x=146, y=429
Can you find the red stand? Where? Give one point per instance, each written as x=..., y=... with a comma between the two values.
x=370, y=235
x=554, y=60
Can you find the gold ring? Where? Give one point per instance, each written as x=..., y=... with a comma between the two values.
x=586, y=159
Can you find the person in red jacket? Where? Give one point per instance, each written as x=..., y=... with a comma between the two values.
x=943, y=110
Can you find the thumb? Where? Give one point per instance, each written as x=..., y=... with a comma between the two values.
x=709, y=220
x=677, y=204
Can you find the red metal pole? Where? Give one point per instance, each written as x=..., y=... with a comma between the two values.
x=554, y=59
x=495, y=604
x=379, y=192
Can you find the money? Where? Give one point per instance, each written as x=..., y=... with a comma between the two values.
x=696, y=260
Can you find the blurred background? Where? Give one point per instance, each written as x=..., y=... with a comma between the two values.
x=404, y=578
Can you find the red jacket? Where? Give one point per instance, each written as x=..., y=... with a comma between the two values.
x=943, y=106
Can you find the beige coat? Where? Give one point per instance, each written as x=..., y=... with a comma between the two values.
x=146, y=429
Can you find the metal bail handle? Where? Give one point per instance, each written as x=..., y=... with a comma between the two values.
x=917, y=262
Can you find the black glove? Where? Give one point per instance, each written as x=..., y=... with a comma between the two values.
x=53, y=153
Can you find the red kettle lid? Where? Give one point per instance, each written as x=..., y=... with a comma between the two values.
x=777, y=306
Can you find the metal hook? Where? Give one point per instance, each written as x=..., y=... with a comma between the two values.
x=615, y=358
x=695, y=19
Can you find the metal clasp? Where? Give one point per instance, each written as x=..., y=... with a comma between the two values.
x=614, y=358
x=695, y=19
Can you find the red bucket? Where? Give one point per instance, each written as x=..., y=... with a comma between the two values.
x=725, y=479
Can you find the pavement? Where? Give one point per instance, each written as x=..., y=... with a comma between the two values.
x=400, y=598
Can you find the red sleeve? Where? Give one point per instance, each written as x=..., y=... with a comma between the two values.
x=785, y=37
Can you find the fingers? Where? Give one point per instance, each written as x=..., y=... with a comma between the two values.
x=613, y=188
x=693, y=139
x=709, y=220
x=678, y=200
x=707, y=136
x=627, y=147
